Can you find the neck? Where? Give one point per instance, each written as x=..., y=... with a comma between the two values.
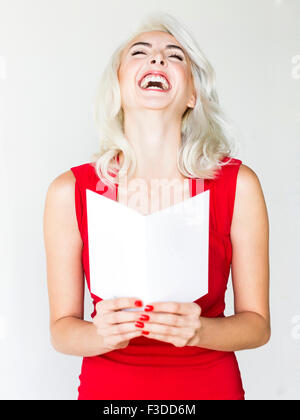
x=156, y=149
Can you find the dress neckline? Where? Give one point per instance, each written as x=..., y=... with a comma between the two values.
x=196, y=186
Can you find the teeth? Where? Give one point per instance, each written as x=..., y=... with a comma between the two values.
x=154, y=78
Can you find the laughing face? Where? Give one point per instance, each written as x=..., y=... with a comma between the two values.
x=155, y=73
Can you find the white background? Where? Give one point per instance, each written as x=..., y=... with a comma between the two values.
x=52, y=54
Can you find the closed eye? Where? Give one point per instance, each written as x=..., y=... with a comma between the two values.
x=173, y=55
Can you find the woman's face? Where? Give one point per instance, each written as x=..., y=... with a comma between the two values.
x=156, y=53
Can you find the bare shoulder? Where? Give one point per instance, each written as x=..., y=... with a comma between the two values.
x=61, y=190
x=62, y=184
x=247, y=179
x=249, y=207
x=60, y=200
x=248, y=186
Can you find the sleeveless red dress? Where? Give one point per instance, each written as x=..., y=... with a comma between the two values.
x=152, y=369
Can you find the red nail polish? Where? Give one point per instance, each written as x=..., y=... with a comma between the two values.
x=149, y=308
x=138, y=303
x=139, y=324
x=144, y=317
x=145, y=332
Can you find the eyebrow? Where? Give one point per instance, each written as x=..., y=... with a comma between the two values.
x=147, y=44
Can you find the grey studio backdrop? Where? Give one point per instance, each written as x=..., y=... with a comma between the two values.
x=51, y=56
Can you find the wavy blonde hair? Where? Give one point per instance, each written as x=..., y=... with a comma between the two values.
x=207, y=134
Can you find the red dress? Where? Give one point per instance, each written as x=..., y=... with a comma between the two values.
x=152, y=369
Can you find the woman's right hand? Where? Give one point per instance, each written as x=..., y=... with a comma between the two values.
x=115, y=326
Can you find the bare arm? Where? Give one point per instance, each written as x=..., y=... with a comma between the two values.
x=70, y=334
x=250, y=326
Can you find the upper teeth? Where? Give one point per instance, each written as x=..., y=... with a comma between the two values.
x=154, y=78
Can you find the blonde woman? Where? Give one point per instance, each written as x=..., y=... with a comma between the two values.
x=159, y=119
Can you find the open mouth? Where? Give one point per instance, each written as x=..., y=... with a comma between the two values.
x=155, y=83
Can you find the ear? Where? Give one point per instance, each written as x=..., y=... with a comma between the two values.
x=192, y=102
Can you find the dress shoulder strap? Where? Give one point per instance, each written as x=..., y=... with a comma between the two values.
x=222, y=198
x=87, y=178
x=81, y=180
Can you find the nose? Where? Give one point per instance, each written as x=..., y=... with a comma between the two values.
x=158, y=58
x=153, y=61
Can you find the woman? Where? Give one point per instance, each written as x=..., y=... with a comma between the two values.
x=171, y=128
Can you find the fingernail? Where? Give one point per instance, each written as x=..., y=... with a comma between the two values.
x=139, y=324
x=145, y=332
x=149, y=308
x=144, y=318
x=138, y=303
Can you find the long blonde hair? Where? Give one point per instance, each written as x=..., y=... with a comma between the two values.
x=207, y=134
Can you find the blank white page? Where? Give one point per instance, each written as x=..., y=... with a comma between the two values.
x=159, y=257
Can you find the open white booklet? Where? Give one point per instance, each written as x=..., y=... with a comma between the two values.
x=159, y=257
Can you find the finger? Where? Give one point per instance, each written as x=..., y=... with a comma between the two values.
x=172, y=319
x=180, y=308
x=118, y=304
x=114, y=340
x=119, y=329
x=128, y=336
x=169, y=330
x=178, y=342
x=118, y=317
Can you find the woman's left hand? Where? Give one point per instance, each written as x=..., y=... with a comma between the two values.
x=178, y=323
